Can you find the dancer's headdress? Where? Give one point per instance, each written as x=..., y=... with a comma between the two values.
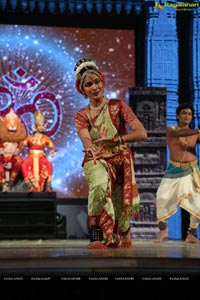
x=82, y=67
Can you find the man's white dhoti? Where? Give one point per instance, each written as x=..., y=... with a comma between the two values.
x=179, y=186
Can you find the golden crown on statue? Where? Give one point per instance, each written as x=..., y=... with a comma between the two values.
x=11, y=115
x=39, y=117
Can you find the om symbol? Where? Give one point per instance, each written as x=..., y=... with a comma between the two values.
x=26, y=85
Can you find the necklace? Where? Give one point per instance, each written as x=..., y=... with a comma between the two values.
x=97, y=108
x=183, y=140
x=100, y=116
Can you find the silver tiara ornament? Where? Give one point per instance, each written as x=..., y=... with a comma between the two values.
x=84, y=65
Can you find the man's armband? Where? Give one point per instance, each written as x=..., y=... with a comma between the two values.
x=175, y=128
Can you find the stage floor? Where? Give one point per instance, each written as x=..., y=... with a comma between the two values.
x=71, y=260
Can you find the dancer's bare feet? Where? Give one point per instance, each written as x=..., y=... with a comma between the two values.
x=97, y=245
x=190, y=238
x=117, y=242
x=126, y=240
x=163, y=235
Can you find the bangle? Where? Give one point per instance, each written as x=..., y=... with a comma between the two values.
x=198, y=131
x=88, y=151
x=119, y=139
x=115, y=139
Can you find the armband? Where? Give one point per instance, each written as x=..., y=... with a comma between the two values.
x=175, y=128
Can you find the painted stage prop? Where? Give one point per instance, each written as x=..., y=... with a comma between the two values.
x=12, y=134
x=36, y=168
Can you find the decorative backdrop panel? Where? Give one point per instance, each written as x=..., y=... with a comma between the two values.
x=149, y=104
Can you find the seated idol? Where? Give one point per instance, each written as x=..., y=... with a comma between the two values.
x=37, y=170
x=12, y=134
